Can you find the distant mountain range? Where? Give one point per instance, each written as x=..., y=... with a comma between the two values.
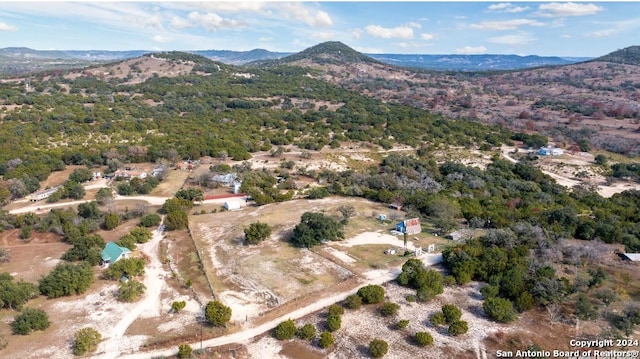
x=18, y=60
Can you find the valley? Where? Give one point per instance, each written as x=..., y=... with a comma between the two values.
x=321, y=156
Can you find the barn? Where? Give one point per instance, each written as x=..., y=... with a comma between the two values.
x=409, y=226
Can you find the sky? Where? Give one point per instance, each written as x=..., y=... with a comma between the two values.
x=579, y=29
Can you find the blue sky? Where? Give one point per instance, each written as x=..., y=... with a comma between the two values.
x=525, y=28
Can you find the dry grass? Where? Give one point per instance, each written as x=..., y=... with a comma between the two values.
x=183, y=258
x=32, y=261
x=173, y=182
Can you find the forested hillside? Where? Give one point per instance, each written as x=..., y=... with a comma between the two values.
x=217, y=110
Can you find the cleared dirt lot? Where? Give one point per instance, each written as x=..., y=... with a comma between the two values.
x=256, y=279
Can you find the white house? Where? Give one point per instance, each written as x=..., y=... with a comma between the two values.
x=550, y=151
x=44, y=194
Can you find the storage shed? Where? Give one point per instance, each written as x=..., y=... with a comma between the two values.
x=232, y=205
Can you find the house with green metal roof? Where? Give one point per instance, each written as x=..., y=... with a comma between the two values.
x=113, y=253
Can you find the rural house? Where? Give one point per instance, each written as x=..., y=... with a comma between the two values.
x=550, y=151
x=44, y=194
x=409, y=226
x=224, y=180
x=113, y=253
x=129, y=173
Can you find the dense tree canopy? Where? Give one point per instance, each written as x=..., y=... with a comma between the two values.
x=315, y=228
x=67, y=279
x=14, y=294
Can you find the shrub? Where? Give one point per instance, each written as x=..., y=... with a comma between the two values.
x=451, y=313
x=150, y=220
x=525, y=301
x=353, y=301
x=30, y=319
x=184, y=351
x=388, y=309
x=111, y=221
x=326, y=339
x=286, y=330
x=257, y=232
x=334, y=322
x=217, y=313
x=378, y=348
x=371, y=294
x=129, y=267
x=86, y=340
x=499, y=309
x=489, y=291
x=14, y=294
x=177, y=220
x=307, y=332
x=458, y=327
x=5, y=256
x=141, y=234
x=403, y=323
x=335, y=309
x=130, y=291
x=423, y=339
x=438, y=319
x=178, y=306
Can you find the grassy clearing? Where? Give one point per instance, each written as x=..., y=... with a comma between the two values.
x=174, y=181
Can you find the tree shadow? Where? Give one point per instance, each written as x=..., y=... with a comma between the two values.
x=363, y=350
x=477, y=311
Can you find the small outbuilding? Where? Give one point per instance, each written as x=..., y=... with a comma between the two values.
x=113, y=253
x=232, y=205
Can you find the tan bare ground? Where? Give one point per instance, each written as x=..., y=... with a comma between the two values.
x=32, y=261
x=173, y=182
x=251, y=279
x=361, y=326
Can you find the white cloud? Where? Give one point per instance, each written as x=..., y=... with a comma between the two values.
x=7, y=27
x=369, y=50
x=230, y=6
x=180, y=23
x=507, y=7
x=298, y=12
x=399, y=32
x=568, y=9
x=513, y=40
x=151, y=21
x=160, y=38
x=427, y=37
x=505, y=25
x=357, y=33
x=470, y=50
x=214, y=22
x=617, y=27
x=415, y=25
x=265, y=39
x=323, y=35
